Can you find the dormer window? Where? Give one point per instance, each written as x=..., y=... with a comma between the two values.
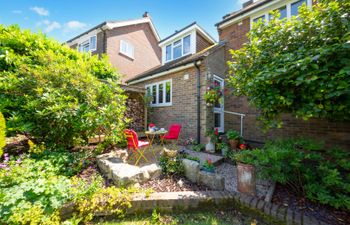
x=178, y=48
x=88, y=45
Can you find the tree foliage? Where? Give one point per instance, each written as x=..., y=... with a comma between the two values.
x=299, y=66
x=2, y=133
x=53, y=92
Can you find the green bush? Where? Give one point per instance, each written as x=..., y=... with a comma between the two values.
x=54, y=93
x=299, y=66
x=2, y=133
x=171, y=166
x=306, y=167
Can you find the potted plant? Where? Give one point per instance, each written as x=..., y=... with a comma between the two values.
x=223, y=147
x=208, y=166
x=246, y=180
x=233, y=138
x=213, y=137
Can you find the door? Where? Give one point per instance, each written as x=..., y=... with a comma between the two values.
x=219, y=106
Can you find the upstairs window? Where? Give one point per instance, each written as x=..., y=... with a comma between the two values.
x=159, y=93
x=259, y=18
x=178, y=48
x=282, y=11
x=126, y=49
x=88, y=45
x=295, y=7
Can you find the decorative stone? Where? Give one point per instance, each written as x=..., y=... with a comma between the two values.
x=191, y=169
x=212, y=180
x=153, y=170
x=124, y=174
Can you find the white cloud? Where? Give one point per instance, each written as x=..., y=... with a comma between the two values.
x=17, y=11
x=74, y=25
x=49, y=25
x=40, y=11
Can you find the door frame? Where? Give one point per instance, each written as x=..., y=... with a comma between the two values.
x=220, y=110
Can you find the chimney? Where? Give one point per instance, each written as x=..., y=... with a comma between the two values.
x=247, y=3
x=145, y=15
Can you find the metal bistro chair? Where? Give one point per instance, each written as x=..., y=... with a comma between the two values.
x=135, y=145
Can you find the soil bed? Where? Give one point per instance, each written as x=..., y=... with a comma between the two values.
x=284, y=196
x=173, y=184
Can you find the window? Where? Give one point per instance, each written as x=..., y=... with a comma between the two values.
x=168, y=53
x=178, y=48
x=160, y=93
x=88, y=45
x=126, y=49
x=286, y=11
x=295, y=7
x=282, y=11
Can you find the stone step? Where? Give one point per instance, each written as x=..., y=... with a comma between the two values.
x=203, y=156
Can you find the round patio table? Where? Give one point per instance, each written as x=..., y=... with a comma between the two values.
x=151, y=136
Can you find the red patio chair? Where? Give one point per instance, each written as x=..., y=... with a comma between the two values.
x=135, y=145
x=174, y=132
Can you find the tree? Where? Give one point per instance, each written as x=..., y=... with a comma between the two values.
x=2, y=133
x=299, y=66
x=53, y=93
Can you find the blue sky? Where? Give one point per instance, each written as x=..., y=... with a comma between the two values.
x=64, y=19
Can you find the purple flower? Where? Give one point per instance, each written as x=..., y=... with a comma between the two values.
x=2, y=165
x=18, y=161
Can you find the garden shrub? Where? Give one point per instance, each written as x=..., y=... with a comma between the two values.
x=299, y=66
x=54, y=93
x=306, y=167
x=171, y=166
x=2, y=133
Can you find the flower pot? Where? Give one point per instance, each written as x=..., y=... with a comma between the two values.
x=233, y=144
x=246, y=181
x=210, y=147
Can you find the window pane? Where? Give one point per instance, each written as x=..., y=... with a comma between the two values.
x=187, y=44
x=282, y=11
x=295, y=7
x=177, y=52
x=168, y=92
x=154, y=94
x=160, y=93
x=258, y=18
x=168, y=53
x=93, y=42
x=217, y=119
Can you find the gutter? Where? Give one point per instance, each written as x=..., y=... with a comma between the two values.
x=197, y=65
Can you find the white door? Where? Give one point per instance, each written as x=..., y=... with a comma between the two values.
x=219, y=106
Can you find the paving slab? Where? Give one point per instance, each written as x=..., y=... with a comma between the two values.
x=203, y=156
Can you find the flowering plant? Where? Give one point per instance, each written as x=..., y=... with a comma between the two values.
x=213, y=94
x=214, y=135
x=208, y=165
x=242, y=146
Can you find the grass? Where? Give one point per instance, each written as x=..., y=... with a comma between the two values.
x=231, y=217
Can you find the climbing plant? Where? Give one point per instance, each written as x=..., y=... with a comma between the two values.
x=299, y=66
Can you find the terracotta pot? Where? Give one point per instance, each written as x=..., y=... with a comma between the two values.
x=233, y=144
x=246, y=181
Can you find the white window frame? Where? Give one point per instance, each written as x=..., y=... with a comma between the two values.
x=164, y=93
x=182, y=47
x=220, y=110
x=89, y=42
x=129, y=49
x=276, y=7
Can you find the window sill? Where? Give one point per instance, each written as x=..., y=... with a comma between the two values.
x=128, y=56
x=161, y=105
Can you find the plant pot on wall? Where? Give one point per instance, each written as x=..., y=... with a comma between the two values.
x=246, y=180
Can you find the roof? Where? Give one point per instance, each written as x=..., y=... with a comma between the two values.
x=242, y=11
x=115, y=23
x=191, y=26
x=177, y=63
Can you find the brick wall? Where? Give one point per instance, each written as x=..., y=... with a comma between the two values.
x=184, y=103
x=147, y=53
x=333, y=133
x=202, y=43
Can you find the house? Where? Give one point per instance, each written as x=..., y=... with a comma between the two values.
x=191, y=60
x=125, y=42
x=232, y=31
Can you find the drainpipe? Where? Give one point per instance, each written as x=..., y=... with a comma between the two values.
x=197, y=64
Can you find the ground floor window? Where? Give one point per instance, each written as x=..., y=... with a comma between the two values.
x=160, y=93
x=219, y=106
